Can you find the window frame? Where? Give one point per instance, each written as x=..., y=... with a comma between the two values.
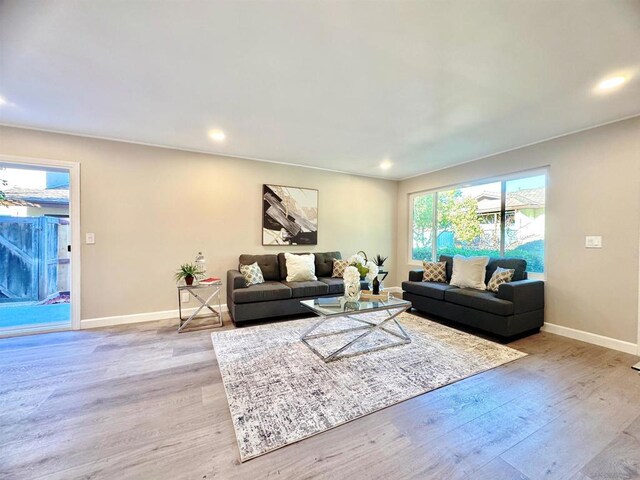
x=503, y=179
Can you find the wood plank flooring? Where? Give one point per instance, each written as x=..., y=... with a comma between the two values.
x=143, y=402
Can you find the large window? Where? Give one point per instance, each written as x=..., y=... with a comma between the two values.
x=502, y=218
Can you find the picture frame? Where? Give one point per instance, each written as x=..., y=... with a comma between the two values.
x=289, y=215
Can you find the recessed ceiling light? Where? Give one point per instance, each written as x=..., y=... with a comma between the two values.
x=386, y=164
x=217, y=135
x=3, y=101
x=611, y=83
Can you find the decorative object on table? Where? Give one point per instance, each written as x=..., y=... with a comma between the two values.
x=500, y=276
x=434, y=272
x=376, y=285
x=290, y=215
x=369, y=296
x=262, y=416
x=351, y=284
x=300, y=268
x=208, y=281
x=367, y=269
x=187, y=272
x=379, y=261
x=201, y=263
x=252, y=274
x=216, y=286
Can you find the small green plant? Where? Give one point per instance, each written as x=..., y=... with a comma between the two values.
x=187, y=271
x=379, y=260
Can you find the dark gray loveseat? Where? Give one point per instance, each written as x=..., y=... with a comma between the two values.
x=276, y=297
x=515, y=310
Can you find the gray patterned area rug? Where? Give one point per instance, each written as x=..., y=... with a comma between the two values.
x=280, y=392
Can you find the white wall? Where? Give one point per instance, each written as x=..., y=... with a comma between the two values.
x=153, y=209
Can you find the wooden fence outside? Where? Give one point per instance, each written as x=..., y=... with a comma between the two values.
x=34, y=260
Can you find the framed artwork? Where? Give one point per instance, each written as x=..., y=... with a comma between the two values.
x=289, y=215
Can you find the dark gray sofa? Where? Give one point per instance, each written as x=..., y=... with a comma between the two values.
x=515, y=310
x=277, y=297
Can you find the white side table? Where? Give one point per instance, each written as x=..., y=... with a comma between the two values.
x=206, y=302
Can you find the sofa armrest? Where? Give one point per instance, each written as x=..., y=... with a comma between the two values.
x=526, y=295
x=235, y=280
x=416, y=275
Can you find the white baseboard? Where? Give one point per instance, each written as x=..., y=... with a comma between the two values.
x=138, y=317
x=608, y=342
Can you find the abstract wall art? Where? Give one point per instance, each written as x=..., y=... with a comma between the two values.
x=290, y=215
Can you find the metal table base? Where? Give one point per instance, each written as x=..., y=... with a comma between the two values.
x=205, y=302
x=368, y=328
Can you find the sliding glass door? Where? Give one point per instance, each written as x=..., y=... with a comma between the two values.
x=35, y=249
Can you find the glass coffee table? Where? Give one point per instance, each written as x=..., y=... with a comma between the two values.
x=328, y=308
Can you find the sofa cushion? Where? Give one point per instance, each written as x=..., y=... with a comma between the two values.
x=300, y=268
x=324, y=263
x=469, y=272
x=267, y=263
x=517, y=264
x=336, y=285
x=282, y=264
x=500, y=276
x=252, y=274
x=434, y=272
x=428, y=289
x=263, y=292
x=339, y=266
x=307, y=289
x=449, y=268
x=480, y=300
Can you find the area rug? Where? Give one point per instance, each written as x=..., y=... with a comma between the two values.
x=280, y=392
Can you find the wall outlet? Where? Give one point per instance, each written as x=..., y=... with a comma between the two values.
x=185, y=297
x=90, y=238
x=593, y=241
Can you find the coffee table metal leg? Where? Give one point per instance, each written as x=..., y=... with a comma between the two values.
x=372, y=327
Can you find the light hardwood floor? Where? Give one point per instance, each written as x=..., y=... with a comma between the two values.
x=143, y=402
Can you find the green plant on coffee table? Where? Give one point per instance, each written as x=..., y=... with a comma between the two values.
x=187, y=272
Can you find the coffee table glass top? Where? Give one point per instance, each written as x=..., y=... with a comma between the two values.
x=329, y=306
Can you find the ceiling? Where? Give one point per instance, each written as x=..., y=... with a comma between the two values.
x=341, y=85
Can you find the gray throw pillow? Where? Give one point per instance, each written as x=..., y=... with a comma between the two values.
x=252, y=274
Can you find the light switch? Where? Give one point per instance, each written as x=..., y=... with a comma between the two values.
x=90, y=238
x=593, y=241
x=184, y=297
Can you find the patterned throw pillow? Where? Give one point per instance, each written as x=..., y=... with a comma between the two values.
x=252, y=274
x=338, y=267
x=500, y=276
x=434, y=272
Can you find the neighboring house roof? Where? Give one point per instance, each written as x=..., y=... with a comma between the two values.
x=527, y=198
x=32, y=196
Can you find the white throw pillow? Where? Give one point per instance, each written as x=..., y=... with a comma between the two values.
x=469, y=272
x=300, y=268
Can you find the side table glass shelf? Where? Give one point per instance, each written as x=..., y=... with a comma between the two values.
x=209, y=301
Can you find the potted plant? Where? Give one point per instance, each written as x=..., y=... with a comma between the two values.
x=379, y=261
x=187, y=272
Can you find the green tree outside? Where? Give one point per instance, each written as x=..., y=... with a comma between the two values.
x=456, y=214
